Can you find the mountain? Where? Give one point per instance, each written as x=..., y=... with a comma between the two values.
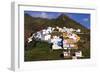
x=70, y=23
x=33, y=24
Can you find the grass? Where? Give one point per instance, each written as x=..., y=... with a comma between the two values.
x=42, y=51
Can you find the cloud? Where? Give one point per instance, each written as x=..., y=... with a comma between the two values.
x=44, y=15
x=39, y=14
x=85, y=19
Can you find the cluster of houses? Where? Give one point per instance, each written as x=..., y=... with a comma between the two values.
x=66, y=38
x=75, y=55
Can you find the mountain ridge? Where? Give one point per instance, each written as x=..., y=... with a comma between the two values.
x=34, y=24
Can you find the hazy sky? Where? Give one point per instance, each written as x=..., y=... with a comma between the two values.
x=81, y=18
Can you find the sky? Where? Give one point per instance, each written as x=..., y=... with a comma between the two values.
x=83, y=19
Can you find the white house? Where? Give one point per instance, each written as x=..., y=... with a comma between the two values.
x=55, y=40
x=49, y=29
x=66, y=53
x=78, y=30
x=30, y=39
x=71, y=29
x=78, y=54
x=39, y=35
x=47, y=37
x=60, y=30
x=53, y=29
x=44, y=31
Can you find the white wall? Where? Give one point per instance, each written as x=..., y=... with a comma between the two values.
x=5, y=40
